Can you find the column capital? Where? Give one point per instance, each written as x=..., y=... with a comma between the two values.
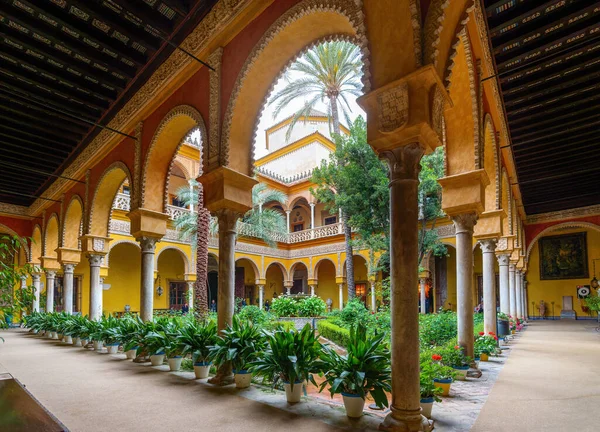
x=227, y=219
x=95, y=259
x=488, y=245
x=147, y=243
x=50, y=274
x=35, y=277
x=511, y=266
x=464, y=222
x=404, y=162
x=68, y=267
x=503, y=259
x=288, y=284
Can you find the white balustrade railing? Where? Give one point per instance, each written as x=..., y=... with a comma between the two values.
x=122, y=202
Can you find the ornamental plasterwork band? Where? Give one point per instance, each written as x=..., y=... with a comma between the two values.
x=564, y=214
x=219, y=16
x=392, y=107
x=98, y=245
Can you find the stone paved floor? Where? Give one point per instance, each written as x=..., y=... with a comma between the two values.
x=89, y=391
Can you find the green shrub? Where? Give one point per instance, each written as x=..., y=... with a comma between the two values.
x=354, y=313
x=311, y=307
x=334, y=333
x=284, y=306
x=279, y=325
x=437, y=329
x=254, y=314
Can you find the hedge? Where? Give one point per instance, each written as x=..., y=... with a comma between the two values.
x=334, y=333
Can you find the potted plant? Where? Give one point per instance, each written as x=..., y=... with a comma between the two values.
x=486, y=345
x=238, y=344
x=290, y=356
x=110, y=334
x=196, y=338
x=364, y=370
x=429, y=391
x=443, y=376
x=154, y=342
x=454, y=357
x=96, y=335
x=130, y=329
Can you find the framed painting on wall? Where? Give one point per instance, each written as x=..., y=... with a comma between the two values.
x=564, y=257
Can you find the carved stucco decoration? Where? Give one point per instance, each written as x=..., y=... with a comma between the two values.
x=593, y=210
x=433, y=29
x=502, y=244
x=488, y=128
x=213, y=158
x=98, y=245
x=178, y=111
x=352, y=10
x=222, y=13
x=137, y=168
x=392, y=108
x=558, y=227
x=437, y=113
x=446, y=231
x=415, y=21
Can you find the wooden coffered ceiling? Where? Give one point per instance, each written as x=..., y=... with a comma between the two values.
x=547, y=55
x=66, y=68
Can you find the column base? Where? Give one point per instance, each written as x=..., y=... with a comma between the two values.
x=223, y=377
x=406, y=421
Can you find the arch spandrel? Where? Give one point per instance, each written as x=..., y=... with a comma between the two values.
x=489, y=157
x=51, y=238
x=71, y=230
x=103, y=198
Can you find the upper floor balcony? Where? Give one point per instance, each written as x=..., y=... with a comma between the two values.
x=122, y=202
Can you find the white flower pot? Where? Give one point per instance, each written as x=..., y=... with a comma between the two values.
x=59, y=337
x=130, y=354
x=157, y=359
x=293, y=396
x=68, y=340
x=243, y=379
x=83, y=342
x=77, y=341
x=98, y=345
x=201, y=370
x=49, y=335
x=113, y=348
x=175, y=363
x=426, y=407
x=461, y=374
x=354, y=405
x=54, y=335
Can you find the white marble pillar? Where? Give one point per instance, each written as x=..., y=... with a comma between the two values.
x=226, y=296
x=422, y=288
x=23, y=282
x=68, y=287
x=50, y=278
x=312, y=215
x=261, y=296
x=373, y=298
x=488, y=248
x=148, y=247
x=519, y=294
x=35, y=277
x=525, y=301
x=95, y=287
x=190, y=294
x=341, y=295
x=503, y=262
x=464, y=225
x=404, y=166
x=288, y=287
x=512, y=290
x=287, y=213
x=312, y=290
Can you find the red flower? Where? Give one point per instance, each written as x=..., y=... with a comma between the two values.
x=456, y=347
x=436, y=357
x=495, y=337
x=492, y=333
x=481, y=333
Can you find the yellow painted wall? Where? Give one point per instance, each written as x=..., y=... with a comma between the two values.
x=171, y=268
x=451, y=279
x=327, y=288
x=554, y=290
x=274, y=282
x=124, y=276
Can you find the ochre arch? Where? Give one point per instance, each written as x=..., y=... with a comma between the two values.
x=321, y=260
x=104, y=196
x=36, y=245
x=181, y=252
x=252, y=264
x=72, y=224
x=51, y=236
x=300, y=28
x=461, y=120
x=24, y=252
x=165, y=144
x=505, y=202
x=279, y=264
x=294, y=266
x=557, y=227
x=116, y=243
x=489, y=157
x=183, y=169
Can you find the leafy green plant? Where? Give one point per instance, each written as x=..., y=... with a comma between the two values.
x=486, y=344
x=254, y=314
x=437, y=329
x=429, y=371
x=312, y=306
x=239, y=344
x=354, y=313
x=284, y=306
x=333, y=332
x=364, y=370
x=290, y=356
x=593, y=302
x=453, y=356
x=196, y=339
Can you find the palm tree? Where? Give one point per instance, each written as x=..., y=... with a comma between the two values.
x=329, y=73
x=264, y=223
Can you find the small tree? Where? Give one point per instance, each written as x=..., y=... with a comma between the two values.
x=11, y=275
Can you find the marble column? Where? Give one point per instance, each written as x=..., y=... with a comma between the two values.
x=190, y=294
x=95, y=287
x=50, y=278
x=373, y=298
x=525, y=303
x=404, y=166
x=312, y=290
x=68, y=287
x=148, y=247
x=464, y=224
x=422, y=289
x=341, y=295
x=488, y=248
x=287, y=212
x=226, y=297
x=312, y=215
x=288, y=287
x=503, y=262
x=23, y=282
x=35, y=277
x=261, y=296
x=519, y=294
x=512, y=290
